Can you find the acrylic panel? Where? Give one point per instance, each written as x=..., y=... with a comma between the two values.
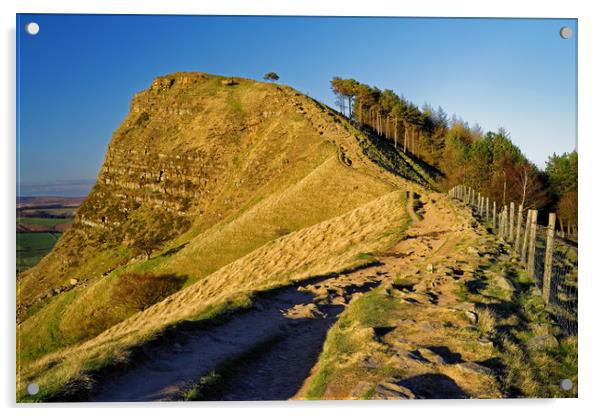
x=233, y=208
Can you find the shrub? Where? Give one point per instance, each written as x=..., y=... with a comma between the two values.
x=141, y=290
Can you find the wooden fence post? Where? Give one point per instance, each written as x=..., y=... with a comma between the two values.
x=494, y=215
x=532, y=238
x=523, y=253
x=519, y=224
x=505, y=222
x=547, y=273
x=502, y=223
x=511, y=223
x=487, y=208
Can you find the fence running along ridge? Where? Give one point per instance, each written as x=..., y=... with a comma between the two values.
x=548, y=255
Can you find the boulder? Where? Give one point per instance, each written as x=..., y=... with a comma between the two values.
x=542, y=342
x=390, y=389
x=360, y=390
x=474, y=368
x=309, y=310
x=73, y=282
x=466, y=306
x=472, y=250
x=370, y=362
x=229, y=82
x=431, y=356
x=503, y=283
x=472, y=316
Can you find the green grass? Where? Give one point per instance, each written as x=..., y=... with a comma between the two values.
x=367, y=257
x=32, y=247
x=530, y=373
x=48, y=337
x=351, y=334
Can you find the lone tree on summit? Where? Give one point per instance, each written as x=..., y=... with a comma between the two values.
x=271, y=76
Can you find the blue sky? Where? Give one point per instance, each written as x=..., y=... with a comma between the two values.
x=77, y=76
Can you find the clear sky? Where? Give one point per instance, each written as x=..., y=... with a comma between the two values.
x=77, y=75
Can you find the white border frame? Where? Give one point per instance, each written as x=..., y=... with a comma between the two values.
x=589, y=148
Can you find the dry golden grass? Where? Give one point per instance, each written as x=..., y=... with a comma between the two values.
x=257, y=140
x=289, y=192
x=487, y=320
x=328, y=246
x=282, y=175
x=327, y=191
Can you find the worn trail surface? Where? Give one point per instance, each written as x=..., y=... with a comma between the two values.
x=292, y=322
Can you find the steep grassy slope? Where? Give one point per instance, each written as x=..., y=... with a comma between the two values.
x=203, y=152
x=261, y=185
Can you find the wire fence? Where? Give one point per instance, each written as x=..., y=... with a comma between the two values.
x=548, y=255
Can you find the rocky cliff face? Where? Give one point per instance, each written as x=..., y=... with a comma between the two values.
x=197, y=148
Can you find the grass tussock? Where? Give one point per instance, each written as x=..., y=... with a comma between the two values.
x=487, y=320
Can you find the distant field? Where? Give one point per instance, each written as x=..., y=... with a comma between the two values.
x=47, y=222
x=37, y=230
x=31, y=247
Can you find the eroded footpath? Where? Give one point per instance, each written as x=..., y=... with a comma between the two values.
x=419, y=322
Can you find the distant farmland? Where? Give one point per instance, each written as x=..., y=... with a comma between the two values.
x=31, y=247
x=40, y=223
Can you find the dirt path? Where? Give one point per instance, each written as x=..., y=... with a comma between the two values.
x=275, y=373
x=435, y=345
x=293, y=321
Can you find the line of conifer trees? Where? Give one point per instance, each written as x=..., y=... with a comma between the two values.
x=488, y=162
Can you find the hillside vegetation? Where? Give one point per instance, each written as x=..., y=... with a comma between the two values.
x=486, y=161
x=248, y=186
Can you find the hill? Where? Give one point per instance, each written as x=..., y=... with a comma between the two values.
x=213, y=189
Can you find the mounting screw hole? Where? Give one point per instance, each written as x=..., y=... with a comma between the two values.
x=33, y=389
x=32, y=28
x=566, y=384
x=566, y=32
